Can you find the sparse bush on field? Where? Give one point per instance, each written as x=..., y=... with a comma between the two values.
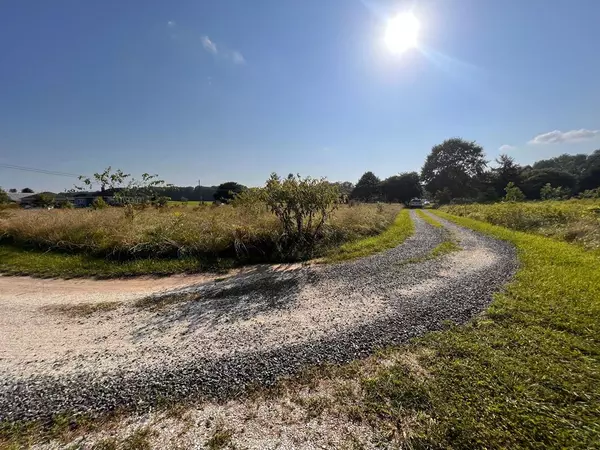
x=570, y=220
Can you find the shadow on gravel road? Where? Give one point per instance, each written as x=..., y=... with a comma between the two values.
x=233, y=299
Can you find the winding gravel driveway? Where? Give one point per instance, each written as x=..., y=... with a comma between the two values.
x=72, y=347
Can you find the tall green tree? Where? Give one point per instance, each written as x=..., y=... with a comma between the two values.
x=573, y=164
x=402, y=187
x=227, y=191
x=590, y=178
x=506, y=171
x=534, y=180
x=455, y=164
x=368, y=188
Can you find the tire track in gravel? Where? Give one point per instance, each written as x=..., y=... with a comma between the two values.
x=213, y=340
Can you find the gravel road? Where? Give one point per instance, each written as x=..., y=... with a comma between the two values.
x=69, y=346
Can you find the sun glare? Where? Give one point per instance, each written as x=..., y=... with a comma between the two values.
x=402, y=32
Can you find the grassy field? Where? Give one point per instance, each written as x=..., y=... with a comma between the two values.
x=575, y=221
x=111, y=243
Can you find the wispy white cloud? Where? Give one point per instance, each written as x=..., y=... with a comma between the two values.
x=237, y=57
x=209, y=45
x=558, y=137
x=222, y=52
x=506, y=148
x=171, y=23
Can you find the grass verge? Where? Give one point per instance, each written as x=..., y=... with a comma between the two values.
x=526, y=375
x=400, y=230
x=17, y=261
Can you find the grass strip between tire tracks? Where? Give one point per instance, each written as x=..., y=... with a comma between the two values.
x=401, y=229
x=427, y=218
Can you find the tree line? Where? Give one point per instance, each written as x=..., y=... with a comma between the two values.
x=457, y=170
x=454, y=171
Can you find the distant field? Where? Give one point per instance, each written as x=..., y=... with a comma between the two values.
x=576, y=221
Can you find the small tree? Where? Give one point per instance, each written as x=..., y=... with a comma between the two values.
x=27, y=191
x=99, y=203
x=65, y=204
x=547, y=192
x=45, y=200
x=12, y=191
x=302, y=205
x=4, y=198
x=161, y=201
x=513, y=193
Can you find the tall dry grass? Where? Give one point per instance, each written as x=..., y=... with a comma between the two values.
x=177, y=232
x=573, y=220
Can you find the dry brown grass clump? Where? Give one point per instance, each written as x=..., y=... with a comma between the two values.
x=178, y=232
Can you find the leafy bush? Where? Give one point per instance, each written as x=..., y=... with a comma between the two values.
x=99, y=203
x=4, y=199
x=513, y=193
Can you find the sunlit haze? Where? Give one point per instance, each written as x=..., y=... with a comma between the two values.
x=402, y=32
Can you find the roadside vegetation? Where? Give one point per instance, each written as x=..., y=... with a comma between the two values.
x=290, y=219
x=393, y=236
x=576, y=220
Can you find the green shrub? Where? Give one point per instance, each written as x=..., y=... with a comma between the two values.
x=99, y=203
x=513, y=193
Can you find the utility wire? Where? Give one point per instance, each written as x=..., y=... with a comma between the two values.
x=43, y=171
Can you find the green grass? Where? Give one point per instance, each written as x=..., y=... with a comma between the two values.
x=397, y=233
x=526, y=375
x=427, y=218
x=575, y=220
x=17, y=261
x=438, y=251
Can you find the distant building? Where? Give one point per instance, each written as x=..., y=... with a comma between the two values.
x=22, y=199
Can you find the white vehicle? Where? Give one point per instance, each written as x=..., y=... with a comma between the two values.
x=415, y=203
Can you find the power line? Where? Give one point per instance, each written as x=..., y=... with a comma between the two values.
x=43, y=171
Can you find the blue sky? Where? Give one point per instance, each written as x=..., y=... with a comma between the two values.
x=223, y=90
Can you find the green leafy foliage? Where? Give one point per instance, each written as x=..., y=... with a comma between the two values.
x=45, y=200
x=513, y=193
x=368, y=188
x=302, y=206
x=401, y=188
x=4, y=199
x=227, y=191
x=99, y=203
x=455, y=164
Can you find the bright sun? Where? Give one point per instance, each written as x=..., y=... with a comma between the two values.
x=402, y=32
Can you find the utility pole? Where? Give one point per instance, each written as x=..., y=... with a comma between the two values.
x=200, y=186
